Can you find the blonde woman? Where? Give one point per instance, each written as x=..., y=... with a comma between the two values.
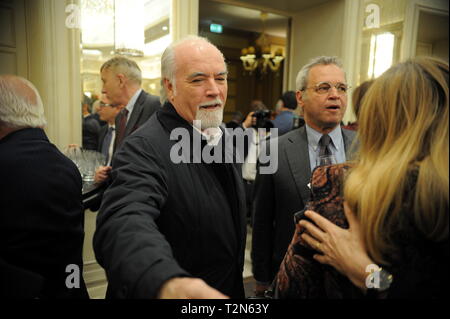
x=397, y=194
x=357, y=96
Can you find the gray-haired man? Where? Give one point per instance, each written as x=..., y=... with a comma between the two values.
x=122, y=80
x=41, y=211
x=322, y=94
x=170, y=229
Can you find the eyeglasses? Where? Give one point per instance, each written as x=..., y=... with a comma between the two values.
x=325, y=87
x=107, y=104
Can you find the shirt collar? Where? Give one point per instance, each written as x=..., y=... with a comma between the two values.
x=314, y=136
x=132, y=101
x=212, y=135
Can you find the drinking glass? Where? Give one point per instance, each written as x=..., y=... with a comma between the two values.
x=325, y=160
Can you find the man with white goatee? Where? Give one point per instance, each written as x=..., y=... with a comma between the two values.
x=171, y=229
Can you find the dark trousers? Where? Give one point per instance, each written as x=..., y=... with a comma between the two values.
x=249, y=185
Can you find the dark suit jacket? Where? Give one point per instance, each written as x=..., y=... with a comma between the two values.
x=159, y=219
x=277, y=197
x=146, y=104
x=41, y=218
x=90, y=130
x=101, y=137
x=102, y=123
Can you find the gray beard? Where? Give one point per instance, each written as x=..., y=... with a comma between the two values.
x=209, y=119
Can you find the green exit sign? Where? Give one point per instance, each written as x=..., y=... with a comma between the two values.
x=216, y=28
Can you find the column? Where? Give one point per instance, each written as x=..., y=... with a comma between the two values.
x=54, y=66
x=184, y=18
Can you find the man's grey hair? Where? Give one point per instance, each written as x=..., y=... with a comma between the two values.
x=168, y=65
x=20, y=103
x=127, y=67
x=95, y=106
x=302, y=77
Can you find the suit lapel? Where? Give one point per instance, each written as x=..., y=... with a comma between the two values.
x=136, y=114
x=101, y=136
x=348, y=140
x=297, y=154
x=298, y=158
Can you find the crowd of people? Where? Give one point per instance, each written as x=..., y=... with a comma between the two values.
x=176, y=228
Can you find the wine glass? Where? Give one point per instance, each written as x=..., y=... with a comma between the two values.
x=324, y=160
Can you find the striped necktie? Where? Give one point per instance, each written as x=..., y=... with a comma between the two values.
x=324, y=143
x=122, y=126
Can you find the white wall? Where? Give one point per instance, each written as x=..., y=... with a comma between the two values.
x=440, y=49
x=316, y=31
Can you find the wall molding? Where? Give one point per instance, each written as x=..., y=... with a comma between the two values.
x=411, y=23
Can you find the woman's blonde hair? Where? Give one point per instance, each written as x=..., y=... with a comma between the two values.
x=403, y=124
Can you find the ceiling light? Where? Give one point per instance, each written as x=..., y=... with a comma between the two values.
x=251, y=59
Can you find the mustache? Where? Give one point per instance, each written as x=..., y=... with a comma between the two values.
x=217, y=101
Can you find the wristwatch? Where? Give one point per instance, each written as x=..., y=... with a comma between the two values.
x=386, y=280
x=378, y=281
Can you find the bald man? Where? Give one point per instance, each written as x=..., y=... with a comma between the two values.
x=41, y=212
x=168, y=229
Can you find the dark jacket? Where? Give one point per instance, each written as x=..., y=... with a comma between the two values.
x=419, y=265
x=159, y=219
x=277, y=197
x=101, y=137
x=41, y=218
x=90, y=130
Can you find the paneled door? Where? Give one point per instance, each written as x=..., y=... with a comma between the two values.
x=13, y=47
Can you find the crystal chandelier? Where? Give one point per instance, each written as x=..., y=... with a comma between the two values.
x=250, y=60
x=129, y=27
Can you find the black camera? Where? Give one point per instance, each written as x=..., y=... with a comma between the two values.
x=262, y=119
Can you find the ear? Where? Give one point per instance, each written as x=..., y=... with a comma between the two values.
x=169, y=89
x=300, y=96
x=122, y=79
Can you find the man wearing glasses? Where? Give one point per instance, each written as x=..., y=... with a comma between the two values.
x=107, y=112
x=322, y=94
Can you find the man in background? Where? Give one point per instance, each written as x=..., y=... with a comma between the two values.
x=322, y=94
x=107, y=112
x=284, y=121
x=90, y=127
x=122, y=79
x=236, y=120
x=41, y=213
x=95, y=109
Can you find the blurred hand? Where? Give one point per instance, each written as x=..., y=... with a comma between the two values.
x=101, y=174
x=188, y=288
x=341, y=248
x=249, y=120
